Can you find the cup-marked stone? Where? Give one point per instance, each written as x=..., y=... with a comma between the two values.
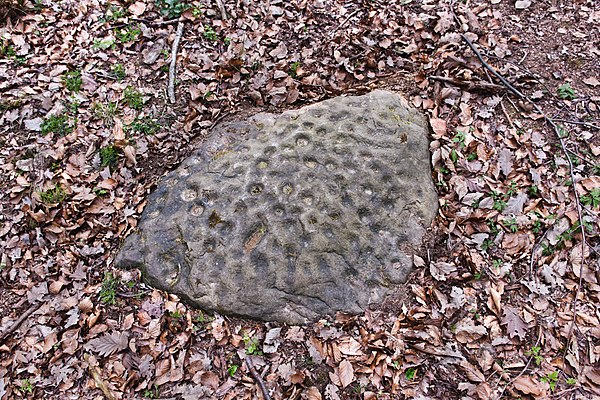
x=295, y=216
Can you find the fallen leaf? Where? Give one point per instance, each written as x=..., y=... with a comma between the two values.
x=108, y=344
x=346, y=373
x=522, y=4
x=529, y=385
x=515, y=325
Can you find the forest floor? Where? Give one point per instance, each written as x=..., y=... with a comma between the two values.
x=506, y=302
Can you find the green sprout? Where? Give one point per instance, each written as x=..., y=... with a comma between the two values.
x=410, y=373
x=210, y=34
x=592, y=198
x=172, y=8
x=232, y=369
x=26, y=386
x=54, y=195
x=109, y=157
x=103, y=44
x=133, y=98
x=128, y=34
x=252, y=345
x=108, y=291
x=566, y=92
x=118, y=72
x=293, y=72
x=551, y=379
x=535, y=353
x=73, y=81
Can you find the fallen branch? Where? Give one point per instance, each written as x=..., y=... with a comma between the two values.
x=470, y=85
x=34, y=307
x=100, y=384
x=171, y=87
x=563, y=146
x=257, y=378
x=222, y=9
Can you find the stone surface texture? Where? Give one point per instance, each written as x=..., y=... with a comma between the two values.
x=295, y=216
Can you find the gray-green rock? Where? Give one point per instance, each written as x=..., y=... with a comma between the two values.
x=295, y=216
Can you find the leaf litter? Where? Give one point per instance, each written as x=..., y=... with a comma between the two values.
x=504, y=301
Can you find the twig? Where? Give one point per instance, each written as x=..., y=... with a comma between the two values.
x=100, y=384
x=563, y=146
x=222, y=10
x=526, y=365
x=352, y=14
x=470, y=85
x=34, y=307
x=257, y=378
x=171, y=87
x=578, y=123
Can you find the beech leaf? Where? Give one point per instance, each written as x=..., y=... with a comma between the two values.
x=108, y=344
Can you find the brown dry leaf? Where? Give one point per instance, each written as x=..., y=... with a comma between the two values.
x=108, y=344
x=515, y=325
x=592, y=81
x=312, y=393
x=118, y=133
x=438, y=126
x=346, y=373
x=529, y=385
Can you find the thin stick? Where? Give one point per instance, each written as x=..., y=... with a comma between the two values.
x=171, y=87
x=222, y=10
x=34, y=307
x=563, y=146
x=257, y=378
x=470, y=85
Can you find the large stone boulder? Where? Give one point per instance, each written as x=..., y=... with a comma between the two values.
x=295, y=216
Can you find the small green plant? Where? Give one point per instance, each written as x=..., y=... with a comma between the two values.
x=114, y=12
x=226, y=41
x=499, y=201
x=7, y=50
x=105, y=111
x=533, y=191
x=108, y=291
x=486, y=244
x=535, y=353
x=537, y=226
x=460, y=138
x=109, y=157
x=172, y=8
x=118, y=72
x=146, y=126
x=128, y=34
x=571, y=381
x=566, y=92
x=209, y=34
x=103, y=44
x=592, y=198
x=26, y=386
x=151, y=393
x=453, y=155
x=133, y=98
x=176, y=314
x=54, y=195
x=196, y=12
x=472, y=156
x=512, y=225
x=73, y=81
x=232, y=369
x=410, y=373
x=551, y=379
x=252, y=345
x=293, y=72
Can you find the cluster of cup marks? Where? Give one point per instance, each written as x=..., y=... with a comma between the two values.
x=345, y=172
